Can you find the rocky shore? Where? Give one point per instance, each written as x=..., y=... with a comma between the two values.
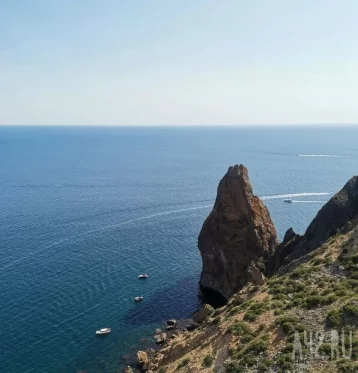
x=147, y=361
x=271, y=290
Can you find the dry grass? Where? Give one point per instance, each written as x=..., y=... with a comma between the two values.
x=218, y=341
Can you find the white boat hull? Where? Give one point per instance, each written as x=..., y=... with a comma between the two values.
x=103, y=331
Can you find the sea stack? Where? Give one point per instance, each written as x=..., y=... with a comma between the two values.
x=236, y=237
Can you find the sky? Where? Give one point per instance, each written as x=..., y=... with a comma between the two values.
x=178, y=62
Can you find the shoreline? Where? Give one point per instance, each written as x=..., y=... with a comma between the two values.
x=141, y=359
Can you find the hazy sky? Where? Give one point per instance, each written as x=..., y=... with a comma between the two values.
x=173, y=62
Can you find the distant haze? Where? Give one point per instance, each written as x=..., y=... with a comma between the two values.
x=166, y=62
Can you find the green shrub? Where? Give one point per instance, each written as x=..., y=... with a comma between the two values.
x=255, y=310
x=264, y=365
x=248, y=355
x=290, y=324
x=248, y=360
x=246, y=338
x=350, y=310
x=250, y=316
x=285, y=362
x=234, y=366
x=288, y=328
x=257, y=347
x=184, y=363
x=347, y=366
x=260, y=328
x=325, y=349
x=278, y=312
x=326, y=291
x=245, y=305
x=287, y=318
x=316, y=300
x=240, y=328
x=288, y=348
x=208, y=361
x=235, y=310
x=346, y=315
x=333, y=318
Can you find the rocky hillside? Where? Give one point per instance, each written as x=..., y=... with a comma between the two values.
x=302, y=318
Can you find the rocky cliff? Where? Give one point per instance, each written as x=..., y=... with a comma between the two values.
x=236, y=237
x=315, y=295
x=330, y=220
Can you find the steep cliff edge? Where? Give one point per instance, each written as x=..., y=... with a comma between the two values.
x=331, y=219
x=236, y=236
x=287, y=324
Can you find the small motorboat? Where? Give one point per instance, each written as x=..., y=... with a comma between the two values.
x=138, y=299
x=288, y=200
x=103, y=331
x=142, y=276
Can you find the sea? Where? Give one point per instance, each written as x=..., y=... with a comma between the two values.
x=85, y=210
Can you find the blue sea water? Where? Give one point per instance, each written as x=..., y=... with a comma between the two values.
x=84, y=210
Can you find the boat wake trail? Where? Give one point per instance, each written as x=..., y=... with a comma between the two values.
x=322, y=202
x=323, y=155
x=108, y=227
x=293, y=195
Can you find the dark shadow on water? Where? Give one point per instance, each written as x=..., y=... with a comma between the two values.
x=178, y=302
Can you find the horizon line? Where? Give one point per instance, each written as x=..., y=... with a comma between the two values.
x=182, y=125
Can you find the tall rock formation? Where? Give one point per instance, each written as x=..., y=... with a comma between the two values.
x=236, y=236
x=334, y=216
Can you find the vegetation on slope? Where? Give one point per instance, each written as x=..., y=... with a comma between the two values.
x=260, y=327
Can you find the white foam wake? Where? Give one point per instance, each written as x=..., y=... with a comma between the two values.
x=293, y=195
x=309, y=201
x=323, y=155
x=108, y=227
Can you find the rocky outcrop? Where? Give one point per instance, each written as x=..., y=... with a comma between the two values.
x=235, y=237
x=160, y=337
x=142, y=359
x=282, y=252
x=205, y=311
x=334, y=215
x=171, y=324
x=331, y=219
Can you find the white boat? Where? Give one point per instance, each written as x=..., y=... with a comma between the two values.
x=138, y=299
x=144, y=275
x=103, y=331
x=288, y=200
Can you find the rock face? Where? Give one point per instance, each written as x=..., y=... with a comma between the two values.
x=236, y=235
x=340, y=209
x=160, y=338
x=282, y=252
x=171, y=324
x=203, y=313
x=142, y=359
x=333, y=216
